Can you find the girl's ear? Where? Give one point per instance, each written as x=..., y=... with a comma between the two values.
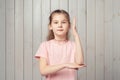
x=50, y=28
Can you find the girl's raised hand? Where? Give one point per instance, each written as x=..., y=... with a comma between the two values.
x=74, y=31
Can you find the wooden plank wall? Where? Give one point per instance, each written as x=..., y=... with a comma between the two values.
x=24, y=25
x=2, y=40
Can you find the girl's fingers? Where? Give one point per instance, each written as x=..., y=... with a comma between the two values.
x=74, y=65
x=74, y=22
x=83, y=65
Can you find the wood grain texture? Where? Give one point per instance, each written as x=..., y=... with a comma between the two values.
x=19, y=46
x=91, y=40
x=116, y=39
x=108, y=39
x=100, y=40
x=28, y=40
x=10, y=40
x=37, y=35
x=2, y=40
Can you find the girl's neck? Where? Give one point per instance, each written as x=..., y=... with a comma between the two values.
x=60, y=38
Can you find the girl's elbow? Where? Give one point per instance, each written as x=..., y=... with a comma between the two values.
x=42, y=72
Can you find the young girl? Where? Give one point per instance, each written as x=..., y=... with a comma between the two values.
x=60, y=58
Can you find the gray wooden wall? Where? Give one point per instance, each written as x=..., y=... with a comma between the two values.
x=23, y=26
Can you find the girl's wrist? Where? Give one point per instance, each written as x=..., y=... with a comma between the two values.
x=66, y=65
x=76, y=37
x=76, y=34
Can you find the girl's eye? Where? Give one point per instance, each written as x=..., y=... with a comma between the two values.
x=63, y=22
x=55, y=22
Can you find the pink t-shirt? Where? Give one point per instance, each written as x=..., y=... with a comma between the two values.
x=58, y=53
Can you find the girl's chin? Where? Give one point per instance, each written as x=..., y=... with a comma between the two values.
x=60, y=34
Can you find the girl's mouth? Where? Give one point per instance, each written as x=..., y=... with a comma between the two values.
x=60, y=30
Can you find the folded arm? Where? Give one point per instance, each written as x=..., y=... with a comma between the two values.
x=46, y=69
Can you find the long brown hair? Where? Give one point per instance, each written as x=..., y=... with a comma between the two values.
x=58, y=11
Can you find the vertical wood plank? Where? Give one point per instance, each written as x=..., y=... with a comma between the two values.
x=54, y=4
x=45, y=18
x=2, y=41
x=91, y=46
x=64, y=4
x=27, y=40
x=37, y=35
x=108, y=39
x=116, y=40
x=73, y=8
x=73, y=12
x=82, y=21
x=99, y=40
x=19, y=40
x=10, y=40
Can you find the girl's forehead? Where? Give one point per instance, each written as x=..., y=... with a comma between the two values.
x=59, y=15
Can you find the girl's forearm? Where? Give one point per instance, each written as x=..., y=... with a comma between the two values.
x=49, y=69
x=79, y=52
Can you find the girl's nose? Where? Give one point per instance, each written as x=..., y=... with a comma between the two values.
x=60, y=25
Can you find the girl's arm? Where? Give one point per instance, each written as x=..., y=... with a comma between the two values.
x=46, y=69
x=79, y=52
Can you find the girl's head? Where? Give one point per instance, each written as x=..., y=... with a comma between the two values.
x=59, y=24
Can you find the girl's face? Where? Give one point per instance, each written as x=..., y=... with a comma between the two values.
x=59, y=25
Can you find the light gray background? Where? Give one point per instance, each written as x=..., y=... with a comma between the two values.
x=23, y=26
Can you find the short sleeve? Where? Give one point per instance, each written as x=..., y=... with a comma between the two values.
x=42, y=51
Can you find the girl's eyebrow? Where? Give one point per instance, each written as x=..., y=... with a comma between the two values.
x=62, y=20
x=65, y=20
x=55, y=20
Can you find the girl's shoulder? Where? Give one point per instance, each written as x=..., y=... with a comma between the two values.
x=44, y=42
